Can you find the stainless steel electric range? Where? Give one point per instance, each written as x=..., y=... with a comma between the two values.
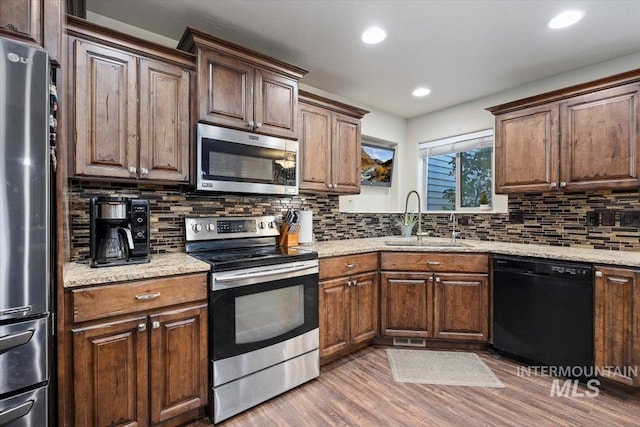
x=263, y=310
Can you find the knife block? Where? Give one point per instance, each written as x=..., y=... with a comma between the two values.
x=287, y=239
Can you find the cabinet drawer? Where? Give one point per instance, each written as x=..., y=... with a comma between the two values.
x=345, y=265
x=111, y=300
x=434, y=261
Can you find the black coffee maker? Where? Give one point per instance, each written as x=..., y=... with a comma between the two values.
x=119, y=231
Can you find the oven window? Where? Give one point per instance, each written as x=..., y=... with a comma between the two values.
x=269, y=314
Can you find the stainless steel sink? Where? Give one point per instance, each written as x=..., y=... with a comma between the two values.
x=426, y=243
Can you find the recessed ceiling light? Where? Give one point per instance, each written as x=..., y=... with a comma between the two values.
x=565, y=19
x=421, y=91
x=374, y=35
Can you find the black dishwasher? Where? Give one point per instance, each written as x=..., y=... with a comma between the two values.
x=543, y=311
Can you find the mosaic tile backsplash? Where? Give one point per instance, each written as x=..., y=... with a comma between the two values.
x=550, y=218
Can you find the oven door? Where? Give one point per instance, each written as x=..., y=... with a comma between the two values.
x=234, y=161
x=258, y=307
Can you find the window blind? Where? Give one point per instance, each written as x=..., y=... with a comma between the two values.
x=457, y=144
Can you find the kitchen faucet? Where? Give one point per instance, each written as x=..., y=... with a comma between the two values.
x=452, y=218
x=419, y=234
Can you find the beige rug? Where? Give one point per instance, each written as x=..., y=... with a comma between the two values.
x=441, y=367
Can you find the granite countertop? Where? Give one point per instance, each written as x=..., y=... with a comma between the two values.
x=80, y=274
x=596, y=256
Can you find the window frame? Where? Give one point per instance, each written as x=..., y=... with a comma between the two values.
x=452, y=141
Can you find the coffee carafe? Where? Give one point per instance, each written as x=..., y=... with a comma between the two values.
x=119, y=231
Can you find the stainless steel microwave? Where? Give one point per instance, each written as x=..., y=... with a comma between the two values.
x=234, y=161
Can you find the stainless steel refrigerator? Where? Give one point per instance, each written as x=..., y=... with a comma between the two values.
x=24, y=235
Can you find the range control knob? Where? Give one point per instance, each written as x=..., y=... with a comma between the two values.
x=139, y=220
x=140, y=234
x=211, y=227
x=271, y=224
x=261, y=225
x=196, y=228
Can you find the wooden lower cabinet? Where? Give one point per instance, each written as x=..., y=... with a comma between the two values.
x=461, y=307
x=120, y=368
x=110, y=373
x=348, y=304
x=406, y=304
x=617, y=323
x=435, y=295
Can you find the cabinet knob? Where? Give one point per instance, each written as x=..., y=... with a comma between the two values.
x=554, y=184
x=437, y=280
x=132, y=170
x=354, y=283
x=563, y=184
x=258, y=125
x=144, y=171
x=142, y=327
x=598, y=273
x=349, y=283
x=155, y=324
x=251, y=123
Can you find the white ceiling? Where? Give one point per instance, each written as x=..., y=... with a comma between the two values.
x=462, y=50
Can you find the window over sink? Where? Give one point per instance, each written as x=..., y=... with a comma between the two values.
x=457, y=173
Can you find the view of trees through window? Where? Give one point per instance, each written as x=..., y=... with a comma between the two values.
x=467, y=173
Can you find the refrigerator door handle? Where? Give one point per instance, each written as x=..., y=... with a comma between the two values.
x=11, y=341
x=16, y=412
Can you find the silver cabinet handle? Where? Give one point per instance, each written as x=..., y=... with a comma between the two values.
x=458, y=283
x=617, y=280
x=554, y=184
x=15, y=340
x=155, y=324
x=563, y=184
x=349, y=283
x=146, y=297
x=354, y=283
x=433, y=262
x=350, y=266
x=437, y=280
x=258, y=125
x=142, y=327
x=251, y=123
x=144, y=171
x=132, y=170
x=598, y=273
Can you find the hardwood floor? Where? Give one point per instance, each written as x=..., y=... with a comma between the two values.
x=359, y=391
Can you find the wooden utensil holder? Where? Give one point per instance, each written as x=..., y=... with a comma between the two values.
x=287, y=239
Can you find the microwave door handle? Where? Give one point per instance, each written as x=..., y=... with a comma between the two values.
x=273, y=272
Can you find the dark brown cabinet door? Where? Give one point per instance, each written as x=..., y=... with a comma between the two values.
x=22, y=19
x=345, y=153
x=617, y=323
x=106, y=111
x=461, y=307
x=164, y=121
x=110, y=374
x=526, y=150
x=363, y=296
x=178, y=364
x=225, y=94
x=406, y=304
x=334, y=316
x=315, y=148
x=275, y=104
x=600, y=140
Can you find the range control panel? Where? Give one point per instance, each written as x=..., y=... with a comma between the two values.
x=214, y=228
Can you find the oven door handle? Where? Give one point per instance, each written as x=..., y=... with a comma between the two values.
x=257, y=274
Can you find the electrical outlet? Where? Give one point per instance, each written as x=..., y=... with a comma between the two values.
x=516, y=217
x=593, y=219
x=463, y=220
x=630, y=219
x=608, y=218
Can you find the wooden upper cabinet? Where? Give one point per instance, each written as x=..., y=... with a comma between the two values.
x=33, y=21
x=243, y=89
x=584, y=137
x=617, y=323
x=164, y=121
x=131, y=107
x=526, y=147
x=600, y=139
x=330, y=144
x=105, y=93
